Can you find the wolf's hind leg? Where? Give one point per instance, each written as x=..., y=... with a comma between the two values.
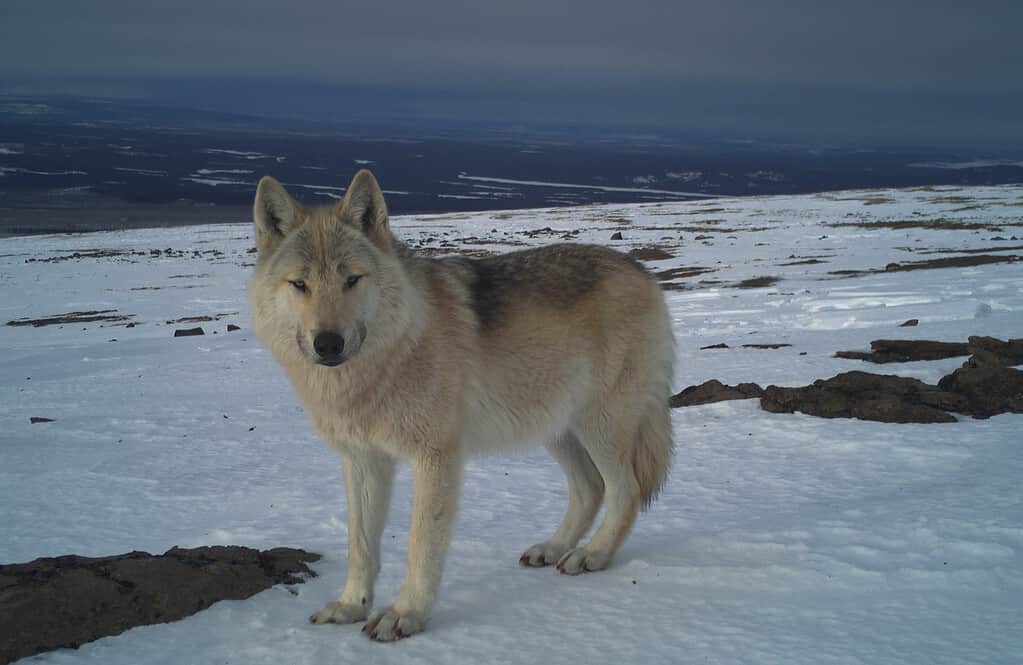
x=368, y=478
x=585, y=491
x=611, y=453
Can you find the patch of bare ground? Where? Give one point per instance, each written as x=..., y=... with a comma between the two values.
x=866, y=200
x=704, y=229
x=104, y=315
x=67, y=601
x=884, y=398
x=906, y=350
x=649, y=254
x=910, y=350
x=722, y=345
x=698, y=211
x=804, y=262
x=88, y=254
x=987, y=384
x=757, y=282
x=437, y=252
x=565, y=234
x=713, y=391
x=931, y=224
x=978, y=250
x=954, y=199
x=201, y=319
x=681, y=272
x=933, y=264
x=667, y=277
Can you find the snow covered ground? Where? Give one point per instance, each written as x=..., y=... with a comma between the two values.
x=779, y=538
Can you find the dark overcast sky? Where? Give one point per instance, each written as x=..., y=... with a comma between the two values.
x=953, y=66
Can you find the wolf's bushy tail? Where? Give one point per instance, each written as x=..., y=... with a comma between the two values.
x=653, y=448
x=653, y=451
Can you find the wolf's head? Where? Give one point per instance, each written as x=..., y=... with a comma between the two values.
x=327, y=284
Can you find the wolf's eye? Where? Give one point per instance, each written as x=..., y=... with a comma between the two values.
x=352, y=280
x=299, y=284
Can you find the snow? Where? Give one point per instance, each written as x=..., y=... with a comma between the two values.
x=602, y=188
x=150, y=172
x=779, y=538
x=970, y=164
x=214, y=182
x=4, y=170
x=241, y=153
x=215, y=171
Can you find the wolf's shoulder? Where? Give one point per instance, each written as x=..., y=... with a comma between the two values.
x=555, y=275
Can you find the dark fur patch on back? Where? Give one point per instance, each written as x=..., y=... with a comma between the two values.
x=555, y=275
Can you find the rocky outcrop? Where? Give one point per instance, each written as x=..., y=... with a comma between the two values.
x=67, y=601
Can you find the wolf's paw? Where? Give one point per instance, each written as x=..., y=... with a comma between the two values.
x=386, y=624
x=543, y=554
x=335, y=612
x=583, y=560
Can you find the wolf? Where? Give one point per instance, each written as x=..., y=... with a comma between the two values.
x=400, y=357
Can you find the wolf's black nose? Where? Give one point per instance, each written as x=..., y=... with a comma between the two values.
x=329, y=346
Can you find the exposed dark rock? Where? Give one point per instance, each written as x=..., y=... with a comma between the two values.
x=682, y=271
x=932, y=264
x=757, y=282
x=232, y=327
x=884, y=398
x=189, y=332
x=722, y=345
x=617, y=235
x=714, y=391
x=106, y=315
x=1008, y=353
x=38, y=419
x=953, y=262
x=909, y=323
x=906, y=350
x=987, y=385
x=649, y=254
x=191, y=319
x=67, y=601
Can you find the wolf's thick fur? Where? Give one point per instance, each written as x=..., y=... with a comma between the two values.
x=401, y=357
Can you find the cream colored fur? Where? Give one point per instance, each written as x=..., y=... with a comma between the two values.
x=441, y=361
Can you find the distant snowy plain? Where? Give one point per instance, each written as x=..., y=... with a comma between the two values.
x=779, y=538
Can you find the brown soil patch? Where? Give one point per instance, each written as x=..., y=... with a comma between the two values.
x=713, y=391
x=106, y=315
x=666, y=277
x=757, y=282
x=884, y=398
x=905, y=350
x=66, y=601
x=934, y=224
x=649, y=254
x=978, y=250
x=804, y=262
x=933, y=264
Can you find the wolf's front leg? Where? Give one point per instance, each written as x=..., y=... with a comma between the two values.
x=437, y=482
x=368, y=477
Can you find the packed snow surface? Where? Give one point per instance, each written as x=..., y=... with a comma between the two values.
x=779, y=538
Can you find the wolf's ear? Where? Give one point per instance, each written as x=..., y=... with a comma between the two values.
x=274, y=214
x=364, y=208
